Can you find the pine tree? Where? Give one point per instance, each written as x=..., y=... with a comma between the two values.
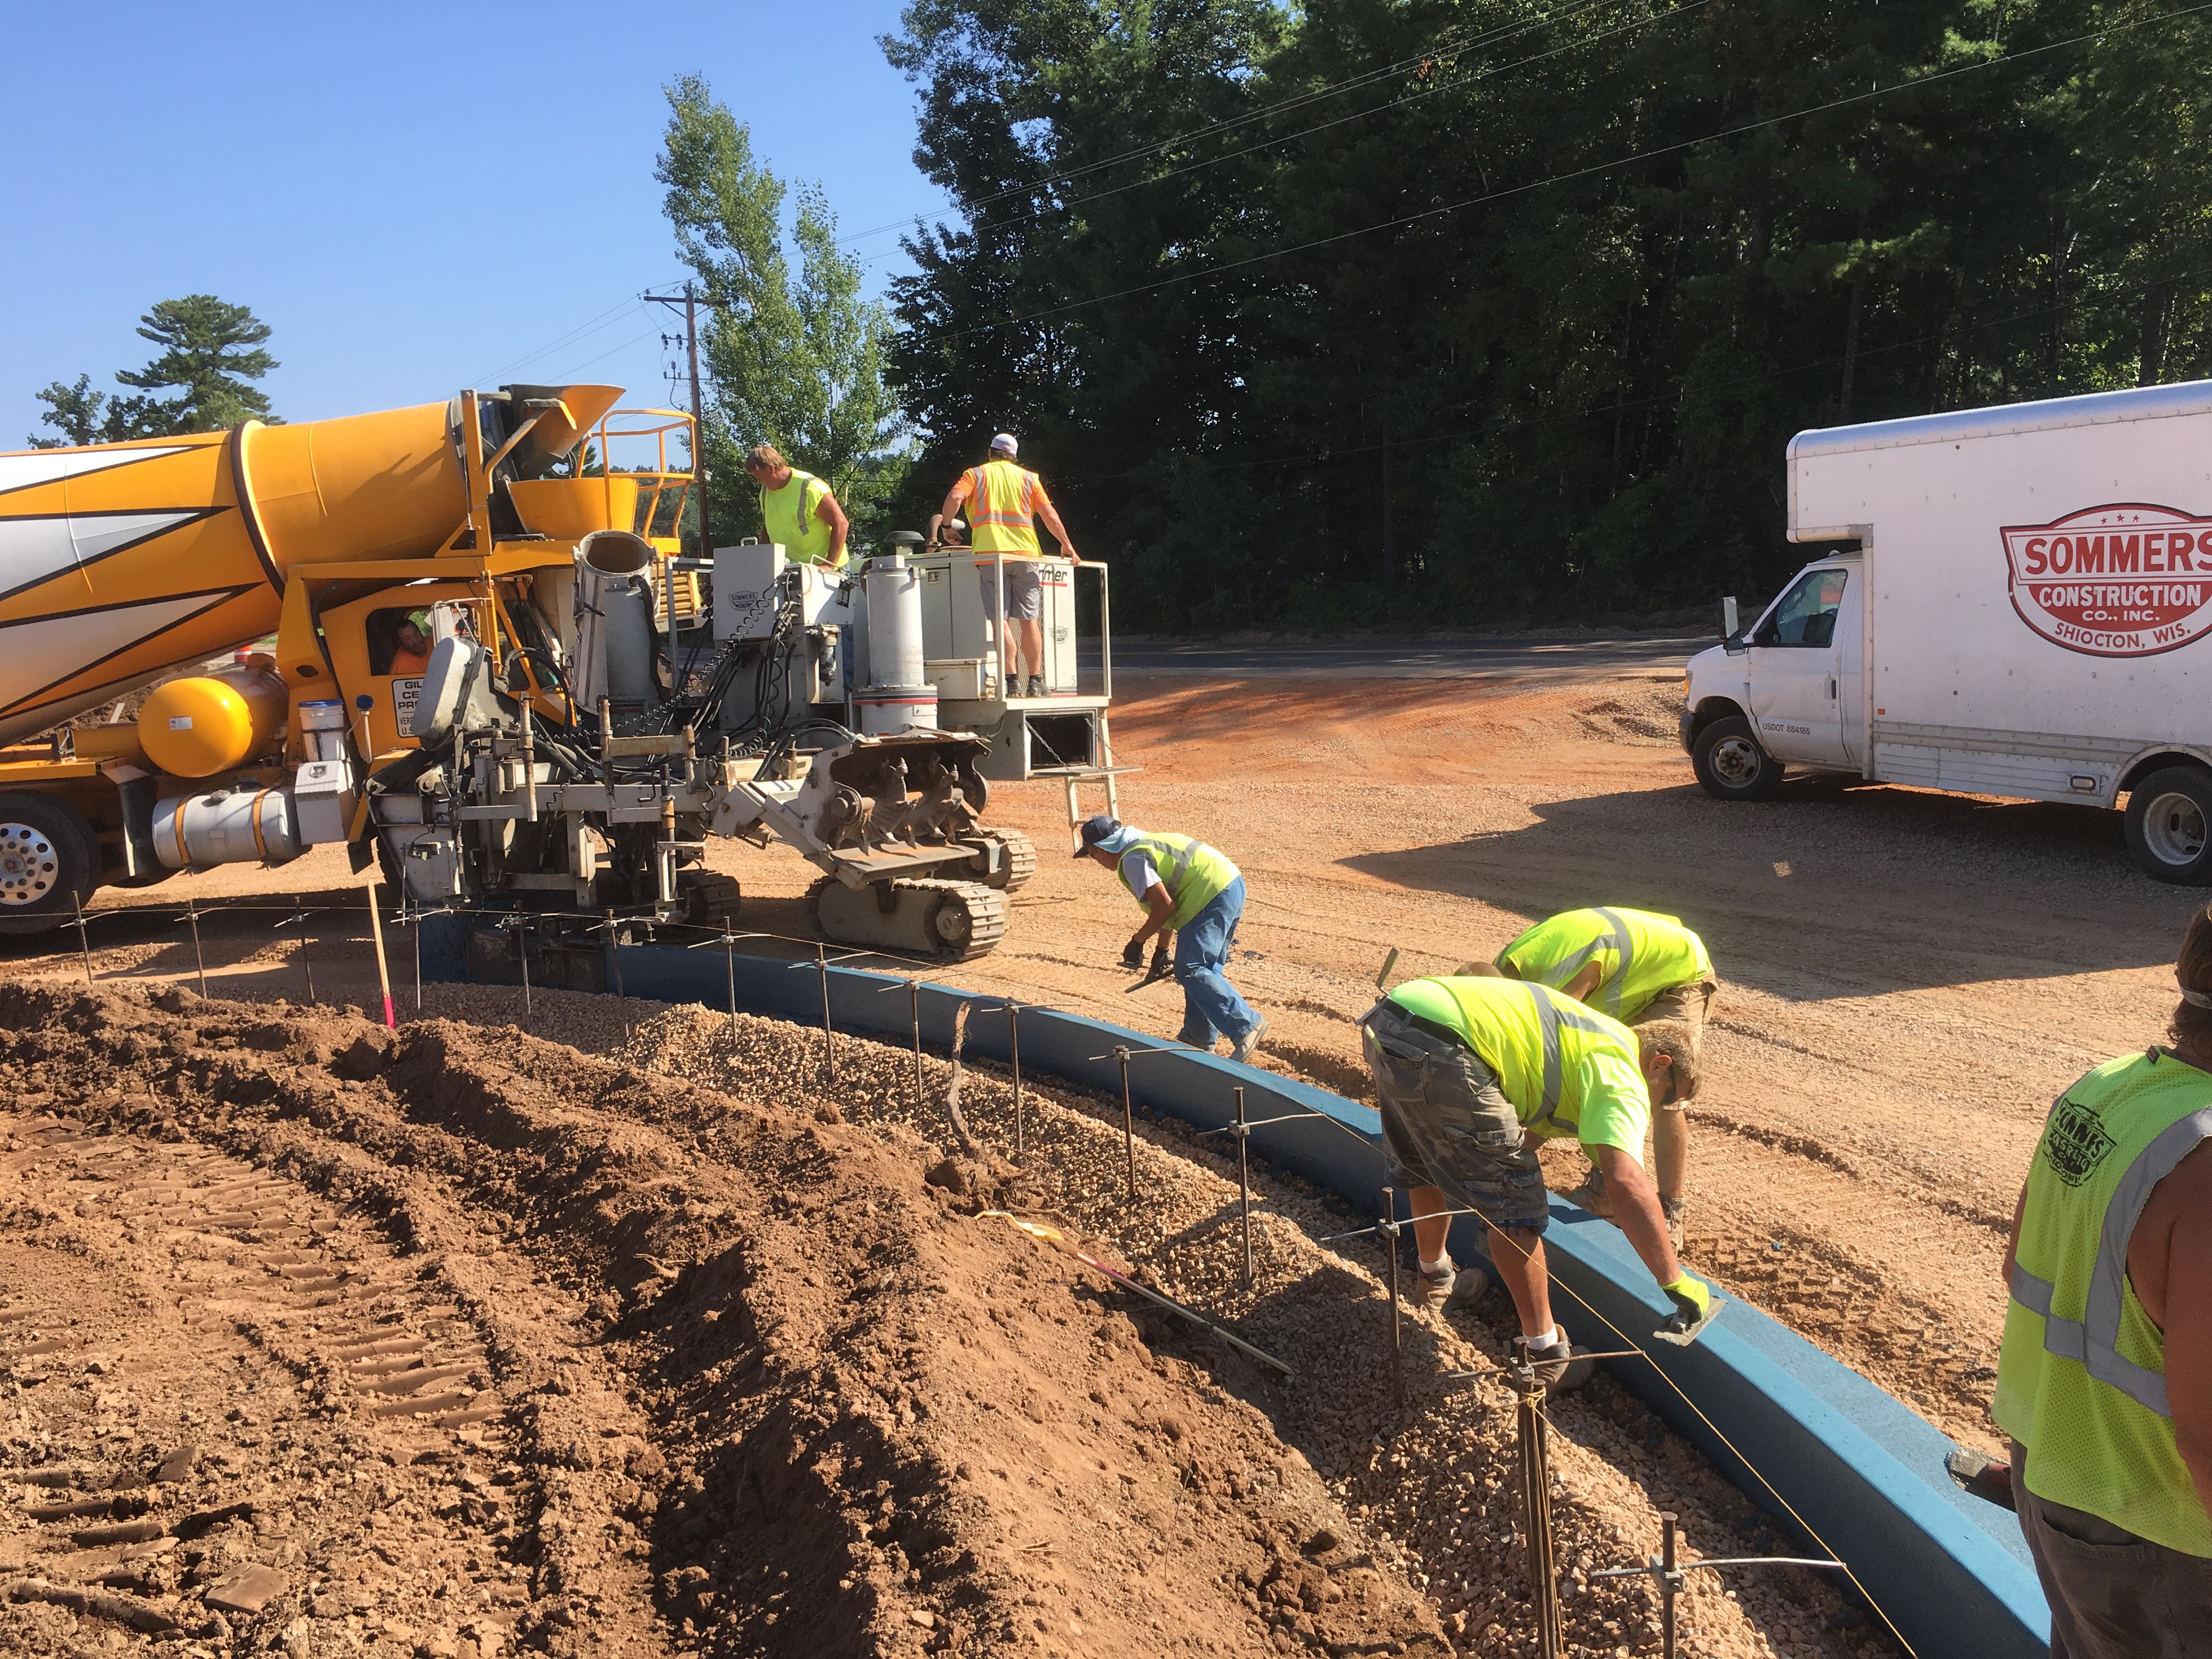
x=202, y=336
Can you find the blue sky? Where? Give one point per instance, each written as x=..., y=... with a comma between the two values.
x=414, y=197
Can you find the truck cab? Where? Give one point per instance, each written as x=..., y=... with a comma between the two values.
x=1784, y=691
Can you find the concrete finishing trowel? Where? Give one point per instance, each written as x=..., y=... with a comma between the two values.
x=1681, y=1329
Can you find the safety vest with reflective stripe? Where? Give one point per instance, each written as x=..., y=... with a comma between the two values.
x=2081, y=1377
x=1192, y=873
x=1534, y=1037
x=1001, y=509
x=789, y=514
x=1639, y=954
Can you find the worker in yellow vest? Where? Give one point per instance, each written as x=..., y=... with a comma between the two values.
x=1635, y=966
x=1192, y=891
x=2105, y=1380
x=798, y=510
x=1004, y=502
x=1470, y=1073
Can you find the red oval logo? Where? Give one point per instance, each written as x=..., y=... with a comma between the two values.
x=2124, y=580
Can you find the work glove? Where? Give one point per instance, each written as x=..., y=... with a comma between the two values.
x=1133, y=954
x=1691, y=1300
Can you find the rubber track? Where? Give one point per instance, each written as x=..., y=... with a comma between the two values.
x=987, y=908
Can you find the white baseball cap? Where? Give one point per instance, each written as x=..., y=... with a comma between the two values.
x=1004, y=444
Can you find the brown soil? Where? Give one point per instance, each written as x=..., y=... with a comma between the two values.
x=460, y=1340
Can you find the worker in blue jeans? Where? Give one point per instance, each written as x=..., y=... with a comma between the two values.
x=1190, y=890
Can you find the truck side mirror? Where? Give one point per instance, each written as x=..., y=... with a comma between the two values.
x=1734, y=645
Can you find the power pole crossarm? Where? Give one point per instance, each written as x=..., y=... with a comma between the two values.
x=691, y=302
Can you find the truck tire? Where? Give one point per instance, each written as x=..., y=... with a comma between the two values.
x=1732, y=764
x=2169, y=813
x=47, y=854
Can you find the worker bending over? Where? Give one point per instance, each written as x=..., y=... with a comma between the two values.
x=1469, y=1074
x=798, y=510
x=1635, y=966
x=2105, y=1380
x=1193, y=892
x=1004, y=503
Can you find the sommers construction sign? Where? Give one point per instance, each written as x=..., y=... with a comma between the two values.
x=2124, y=580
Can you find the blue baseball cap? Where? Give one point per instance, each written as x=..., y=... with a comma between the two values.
x=1104, y=833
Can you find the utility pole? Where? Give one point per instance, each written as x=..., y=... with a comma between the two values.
x=690, y=301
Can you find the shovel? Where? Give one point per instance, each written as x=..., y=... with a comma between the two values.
x=1163, y=965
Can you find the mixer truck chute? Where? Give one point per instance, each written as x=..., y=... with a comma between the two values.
x=475, y=678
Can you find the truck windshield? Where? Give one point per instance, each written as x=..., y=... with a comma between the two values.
x=1806, y=615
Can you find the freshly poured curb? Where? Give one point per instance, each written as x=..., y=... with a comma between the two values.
x=1862, y=1473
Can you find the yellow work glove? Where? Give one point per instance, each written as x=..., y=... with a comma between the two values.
x=1691, y=1300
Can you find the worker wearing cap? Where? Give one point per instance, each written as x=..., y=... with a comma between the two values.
x=1470, y=1073
x=1193, y=892
x=2105, y=1379
x=1004, y=502
x=798, y=509
x=1635, y=966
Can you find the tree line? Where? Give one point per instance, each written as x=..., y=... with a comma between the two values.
x=1418, y=310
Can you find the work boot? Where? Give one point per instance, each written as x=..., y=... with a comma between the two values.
x=1434, y=1288
x=1556, y=1368
x=1672, y=1209
x=1591, y=1195
x=1036, y=686
x=1242, y=1054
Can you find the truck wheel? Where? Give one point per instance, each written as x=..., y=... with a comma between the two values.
x=1732, y=765
x=2168, y=812
x=46, y=855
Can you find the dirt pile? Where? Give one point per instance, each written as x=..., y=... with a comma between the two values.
x=498, y=1344
x=736, y=1378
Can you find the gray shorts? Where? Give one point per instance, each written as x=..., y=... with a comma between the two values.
x=1686, y=1003
x=1023, y=599
x=1447, y=1124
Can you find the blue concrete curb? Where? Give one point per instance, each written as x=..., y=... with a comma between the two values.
x=1862, y=1472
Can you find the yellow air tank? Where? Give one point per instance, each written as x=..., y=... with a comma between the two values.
x=214, y=723
x=121, y=561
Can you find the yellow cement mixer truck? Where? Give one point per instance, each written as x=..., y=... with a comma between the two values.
x=469, y=683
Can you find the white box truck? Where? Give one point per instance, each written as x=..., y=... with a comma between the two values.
x=2024, y=615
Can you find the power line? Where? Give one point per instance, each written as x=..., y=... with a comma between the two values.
x=1524, y=423
x=1568, y=177
x=1296, y=101
x=1377, y=109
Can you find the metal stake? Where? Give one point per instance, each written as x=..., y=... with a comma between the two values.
x=914, y=989
x=1537, y=1516
x=1014, y=1047
x=83, y=942
x=614, y=944
x=1128, y=1122
x=829, y=1037
x=192, y=915
x=306, y=962
x=1245, y=1181
x=1670, y=1581
x=522, y=949
x=1388, y=1228
x=730, y=965
x=383, y=969
x=418, y=962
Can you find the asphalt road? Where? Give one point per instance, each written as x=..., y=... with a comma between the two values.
x=1450, y=659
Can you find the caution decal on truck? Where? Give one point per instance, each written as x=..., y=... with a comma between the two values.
x=2123, y=581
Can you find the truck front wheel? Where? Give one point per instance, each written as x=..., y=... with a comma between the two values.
x=2167, y=815
x=46, y=853
x=1731, y=765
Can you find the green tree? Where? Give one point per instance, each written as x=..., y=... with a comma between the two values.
x=1400, y=311
x=212, y=350
x=797, y=359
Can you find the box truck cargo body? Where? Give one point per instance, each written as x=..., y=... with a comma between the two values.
x=2024, y=615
